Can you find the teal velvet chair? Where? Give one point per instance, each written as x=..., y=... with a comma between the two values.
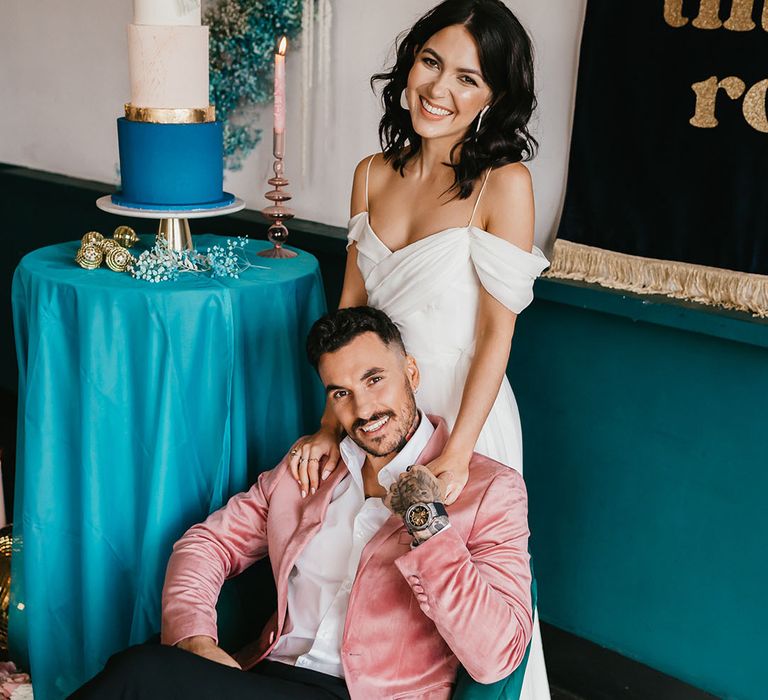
x=507, y=688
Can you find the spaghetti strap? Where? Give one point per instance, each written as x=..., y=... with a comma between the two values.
x=477, y=201
x=367, y=172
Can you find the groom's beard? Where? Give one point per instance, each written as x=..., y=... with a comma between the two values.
x=399, y=429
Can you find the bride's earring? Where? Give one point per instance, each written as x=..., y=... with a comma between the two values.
x=404, y=101
x=480, y=118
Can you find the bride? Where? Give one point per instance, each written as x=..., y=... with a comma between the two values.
x=441, y=236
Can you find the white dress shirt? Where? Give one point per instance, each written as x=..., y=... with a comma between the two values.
x=321, y=580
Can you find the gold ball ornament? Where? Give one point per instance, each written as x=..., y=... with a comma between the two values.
x=125, y=236
x=6, y=547
x=89, y=256
x=107, y=244
x=92, y=237
x=119, y=259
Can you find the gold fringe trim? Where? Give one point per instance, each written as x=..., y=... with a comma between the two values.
x=707, y=285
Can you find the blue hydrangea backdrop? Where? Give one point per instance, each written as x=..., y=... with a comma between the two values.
x=243, y=35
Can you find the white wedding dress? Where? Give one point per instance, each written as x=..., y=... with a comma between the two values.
x=431, y=289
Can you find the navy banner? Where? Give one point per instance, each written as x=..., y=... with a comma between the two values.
x=669, y=157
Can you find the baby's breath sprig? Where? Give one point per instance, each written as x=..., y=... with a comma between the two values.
x=161, y=264
x=226, y=262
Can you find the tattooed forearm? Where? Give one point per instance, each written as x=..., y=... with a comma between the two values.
x=416, y=486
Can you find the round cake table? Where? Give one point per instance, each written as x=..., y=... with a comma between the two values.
x=142, y=408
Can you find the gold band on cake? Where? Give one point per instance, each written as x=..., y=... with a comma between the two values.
x=162, y=115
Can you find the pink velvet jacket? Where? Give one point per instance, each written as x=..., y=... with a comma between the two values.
x=475, y=574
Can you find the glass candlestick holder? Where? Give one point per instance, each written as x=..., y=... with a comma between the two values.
x=277, y=213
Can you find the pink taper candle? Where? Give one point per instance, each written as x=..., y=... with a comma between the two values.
x=279, y=113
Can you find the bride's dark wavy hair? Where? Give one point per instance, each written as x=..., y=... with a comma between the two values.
x=506, y=61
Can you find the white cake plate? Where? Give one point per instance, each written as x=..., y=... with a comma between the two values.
x=105, y=203
x=173, y=222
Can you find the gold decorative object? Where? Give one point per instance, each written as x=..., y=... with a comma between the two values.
x=89, y=256
x=96, y=249
x=92, y=237
x=119, y=259
x=6, y=547
x=170, y=115
x=107, y=244
x=125, y=236
x=177, y=233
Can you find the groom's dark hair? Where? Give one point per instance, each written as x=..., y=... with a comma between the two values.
x=337, y=328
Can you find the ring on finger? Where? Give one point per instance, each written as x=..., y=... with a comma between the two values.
x=313, y=459
x=294, y=452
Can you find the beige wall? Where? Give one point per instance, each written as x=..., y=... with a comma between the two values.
x=64, y=79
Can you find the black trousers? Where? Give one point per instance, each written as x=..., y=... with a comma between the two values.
x=152, y=671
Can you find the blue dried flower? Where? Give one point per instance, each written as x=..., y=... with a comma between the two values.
x=242, y=45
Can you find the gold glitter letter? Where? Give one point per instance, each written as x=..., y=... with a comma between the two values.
x=706, y=92
x=754, y=106
x=708, y=15
x=673, y=13
x=741, y=16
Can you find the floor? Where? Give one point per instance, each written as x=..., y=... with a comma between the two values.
x=558, y=694
x=581, y=670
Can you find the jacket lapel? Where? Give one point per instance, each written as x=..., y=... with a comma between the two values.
x=434, y=448
x=312, y=516
x=395, y=522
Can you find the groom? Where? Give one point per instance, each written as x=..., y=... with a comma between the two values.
x=382, y=591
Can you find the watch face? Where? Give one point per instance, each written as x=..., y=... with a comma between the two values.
x=419, y=516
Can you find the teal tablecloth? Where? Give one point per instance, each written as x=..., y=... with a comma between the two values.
x=142, y=408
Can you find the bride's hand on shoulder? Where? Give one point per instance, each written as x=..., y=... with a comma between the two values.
x=313, y=458
x=453, y=472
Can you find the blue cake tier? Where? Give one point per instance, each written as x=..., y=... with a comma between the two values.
x=167, y=166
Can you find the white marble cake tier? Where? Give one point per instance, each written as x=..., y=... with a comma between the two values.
x=171, y=13
x=168, y=66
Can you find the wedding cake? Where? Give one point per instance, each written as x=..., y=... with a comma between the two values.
x=171, y=146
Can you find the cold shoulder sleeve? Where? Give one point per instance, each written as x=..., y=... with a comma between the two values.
x=506, y=271
x=355, y=228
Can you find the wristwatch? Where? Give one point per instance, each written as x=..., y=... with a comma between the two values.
x=426, y=516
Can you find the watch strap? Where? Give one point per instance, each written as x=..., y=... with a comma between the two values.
x=438, y=524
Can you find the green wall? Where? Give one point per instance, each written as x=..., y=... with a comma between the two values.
x=647, y=469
